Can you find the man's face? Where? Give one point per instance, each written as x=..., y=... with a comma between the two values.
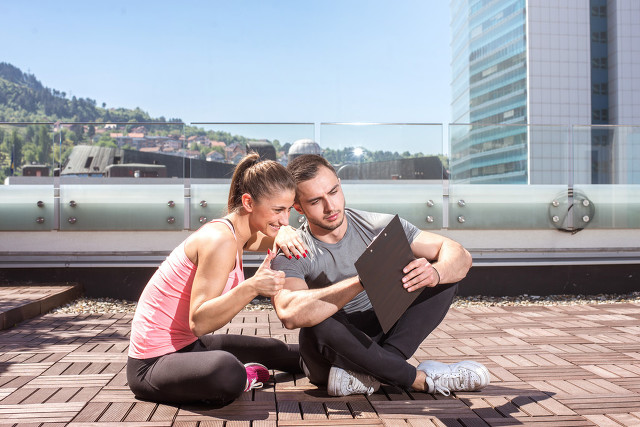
x=321, y=200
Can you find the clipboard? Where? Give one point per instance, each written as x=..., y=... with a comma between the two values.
x=380, y=270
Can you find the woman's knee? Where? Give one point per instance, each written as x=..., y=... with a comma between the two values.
x=225, y=375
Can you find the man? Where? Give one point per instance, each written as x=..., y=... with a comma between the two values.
x=341, y=341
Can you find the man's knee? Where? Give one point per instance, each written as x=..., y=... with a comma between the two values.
x=320, y=333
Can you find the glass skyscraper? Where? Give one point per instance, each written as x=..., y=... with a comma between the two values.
x=522, y=71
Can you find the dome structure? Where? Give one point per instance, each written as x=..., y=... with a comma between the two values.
x=303, y=146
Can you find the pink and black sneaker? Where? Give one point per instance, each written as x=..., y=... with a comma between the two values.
x=257, y=374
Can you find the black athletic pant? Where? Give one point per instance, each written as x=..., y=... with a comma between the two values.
x=356, y=342
x=210, y=369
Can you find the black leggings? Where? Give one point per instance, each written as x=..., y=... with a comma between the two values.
x=355, y=341
x=210, y=369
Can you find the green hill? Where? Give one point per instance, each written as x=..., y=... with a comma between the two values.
x=24, y=99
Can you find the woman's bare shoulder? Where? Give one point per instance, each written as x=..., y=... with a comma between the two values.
x=211, y=237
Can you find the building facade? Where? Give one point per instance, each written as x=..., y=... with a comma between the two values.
x=524, y=72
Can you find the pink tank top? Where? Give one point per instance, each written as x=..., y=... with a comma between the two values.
x=161, y=321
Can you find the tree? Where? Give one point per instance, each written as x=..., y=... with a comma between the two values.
x=14, y=145
x=44, y=144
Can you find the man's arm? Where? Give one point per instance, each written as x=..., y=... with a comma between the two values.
x=450, y=262
x=298, y=306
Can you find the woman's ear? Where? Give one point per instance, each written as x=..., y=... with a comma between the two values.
x=247, y=202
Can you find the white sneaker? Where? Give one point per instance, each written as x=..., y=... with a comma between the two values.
x=462, y=376
x=344, y=383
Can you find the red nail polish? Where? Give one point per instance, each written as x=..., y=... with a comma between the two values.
x=290, y=257
x=298, y=256
x=304, y=255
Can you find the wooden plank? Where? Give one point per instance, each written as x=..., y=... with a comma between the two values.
x=338, y=410
x=313, y=410
x=289, y=410
x=141, y=411
x=91, y=412
x=116, y=412
x=237, y=410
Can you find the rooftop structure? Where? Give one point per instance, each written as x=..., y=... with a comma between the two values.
x=303, y=146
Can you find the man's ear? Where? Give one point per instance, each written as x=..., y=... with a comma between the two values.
x=247, y=202
x=298, y=208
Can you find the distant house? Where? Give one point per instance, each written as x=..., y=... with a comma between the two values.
x=174, y=144
x=217, y=144
x=35, y=170
x=234, y=152
x=151, y=149
x=215, y=156
x=191, y=154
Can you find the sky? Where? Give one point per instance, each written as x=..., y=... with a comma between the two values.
x=243, y=60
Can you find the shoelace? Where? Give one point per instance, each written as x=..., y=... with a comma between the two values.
x=351, y=389
x=254, y=384
x=446, y=382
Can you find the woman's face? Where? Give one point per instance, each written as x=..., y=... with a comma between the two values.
x=272, y=212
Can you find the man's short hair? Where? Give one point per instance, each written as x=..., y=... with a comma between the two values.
x=305, y=167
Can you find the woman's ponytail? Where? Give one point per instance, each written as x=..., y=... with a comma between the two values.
x=257, y=178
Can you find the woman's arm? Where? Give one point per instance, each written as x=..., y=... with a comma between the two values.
x=209, y=310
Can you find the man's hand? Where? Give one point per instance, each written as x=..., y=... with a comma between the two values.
x=419, y=273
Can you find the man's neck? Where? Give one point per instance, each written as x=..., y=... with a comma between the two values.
x=329, y=236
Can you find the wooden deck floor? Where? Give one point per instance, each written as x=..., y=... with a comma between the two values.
x=553, y=366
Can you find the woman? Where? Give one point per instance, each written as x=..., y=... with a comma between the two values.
x=200, y=287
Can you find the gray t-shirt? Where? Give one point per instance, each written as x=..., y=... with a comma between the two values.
x=331, y=263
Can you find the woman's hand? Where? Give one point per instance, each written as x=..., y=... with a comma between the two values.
x=265, y=281
x=290, y=243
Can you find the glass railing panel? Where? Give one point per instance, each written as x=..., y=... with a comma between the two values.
x=121, y=204
x=208, y=200
x=215, y=148
x=392, y=168
x=508, y=176
x=27, y=206
x=27, y=168
x=606, y=206
x=503, y=207
x=121, y=176
x=606, y=189
x=417, y=202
